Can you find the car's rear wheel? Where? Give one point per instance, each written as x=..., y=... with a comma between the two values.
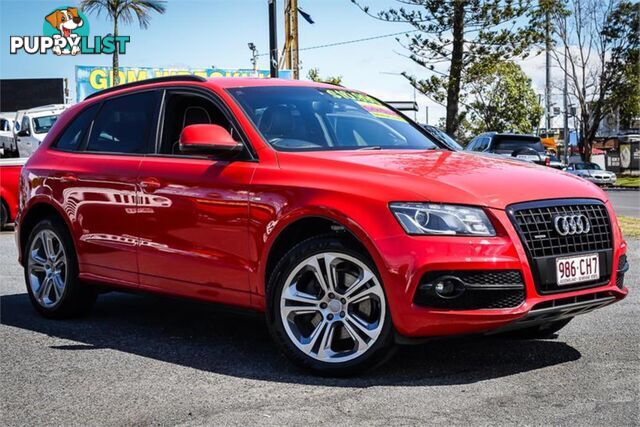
x=545, y=330
x=327, y=308
x=51, y=272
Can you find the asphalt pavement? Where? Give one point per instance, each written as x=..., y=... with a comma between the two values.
x=146, y=360
x=625, y=202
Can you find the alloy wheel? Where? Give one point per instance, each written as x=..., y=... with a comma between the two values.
x=47, y=267
x=332, y=307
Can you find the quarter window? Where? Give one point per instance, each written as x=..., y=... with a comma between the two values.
x=74, y=134
x=123, y=124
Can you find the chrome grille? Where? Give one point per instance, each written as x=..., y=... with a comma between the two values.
x=542, y=240
x=534, y=222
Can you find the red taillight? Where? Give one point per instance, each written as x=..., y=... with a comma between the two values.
x=547, y=161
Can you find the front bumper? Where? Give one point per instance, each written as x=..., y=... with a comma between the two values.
x=409, y=258
x=601, y=181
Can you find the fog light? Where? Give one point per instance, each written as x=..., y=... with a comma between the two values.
x=448, y=287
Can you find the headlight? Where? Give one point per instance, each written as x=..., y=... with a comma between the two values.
x=427, y=218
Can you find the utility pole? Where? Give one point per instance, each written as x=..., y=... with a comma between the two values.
x=547, y=87
x=290, y=56
x=273, y=40
x=415, y=112
x=565, y=96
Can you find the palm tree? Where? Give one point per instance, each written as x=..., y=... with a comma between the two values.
x=123, y=11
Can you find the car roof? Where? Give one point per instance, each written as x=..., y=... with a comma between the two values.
x=214, y=83
x=511, y=134
x=236, y=82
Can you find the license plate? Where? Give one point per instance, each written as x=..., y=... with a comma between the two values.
x=528, y=157
x=576, y=269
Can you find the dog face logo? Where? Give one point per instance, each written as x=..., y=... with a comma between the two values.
x=65, y=21
x=65, y=31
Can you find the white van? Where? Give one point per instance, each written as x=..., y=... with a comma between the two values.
x=31, y=126
x=7, y=140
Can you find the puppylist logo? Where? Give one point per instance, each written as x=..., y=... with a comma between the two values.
x=66, y=32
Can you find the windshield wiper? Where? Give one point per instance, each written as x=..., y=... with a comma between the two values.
x=370, y=147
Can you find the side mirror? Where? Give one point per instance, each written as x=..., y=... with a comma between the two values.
x=207, y=139
x=24, y=132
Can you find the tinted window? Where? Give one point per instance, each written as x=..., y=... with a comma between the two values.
x=512, y=143
x=44, y=123
x=123, y=124
x=75, y=132
x=5, y=125
x=309, y=118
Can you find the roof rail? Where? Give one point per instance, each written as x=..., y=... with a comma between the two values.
x=178, y=78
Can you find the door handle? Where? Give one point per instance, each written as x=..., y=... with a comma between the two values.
x=68, y=177
x=149, y=185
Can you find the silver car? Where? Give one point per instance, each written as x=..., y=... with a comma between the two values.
x=592, y=172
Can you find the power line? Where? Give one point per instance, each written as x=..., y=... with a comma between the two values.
x=352, y=41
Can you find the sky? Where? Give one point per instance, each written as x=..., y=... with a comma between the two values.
x=204, y=33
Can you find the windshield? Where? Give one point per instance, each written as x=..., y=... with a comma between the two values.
x=311, y=119
x=512, y=143
x=587, y=166
x=43, y=124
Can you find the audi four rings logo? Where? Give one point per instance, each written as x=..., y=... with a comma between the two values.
x=572, y=224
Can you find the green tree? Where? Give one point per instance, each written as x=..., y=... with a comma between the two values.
x=314, y=75
x=124, y=11
x=626, y=95
x=456, y=34
x=498, y=96
x=599, y=41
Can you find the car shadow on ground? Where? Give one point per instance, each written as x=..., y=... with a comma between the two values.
x=213, y=339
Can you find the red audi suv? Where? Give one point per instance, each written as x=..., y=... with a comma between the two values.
x=347, y=224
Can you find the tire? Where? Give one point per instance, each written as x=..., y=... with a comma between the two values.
x=4, y=215
x=317, y=333
x=545, y=330
x=51, y=272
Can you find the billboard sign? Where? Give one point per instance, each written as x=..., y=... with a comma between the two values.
x=90, y=79
x=21, y=94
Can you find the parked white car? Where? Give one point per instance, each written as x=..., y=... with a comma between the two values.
x=592, y=172
x=31, y=126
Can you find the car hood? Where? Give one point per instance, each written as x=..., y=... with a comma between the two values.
x=444, y=176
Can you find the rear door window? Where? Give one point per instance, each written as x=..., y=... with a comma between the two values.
x=124, y=124
x=74, y=134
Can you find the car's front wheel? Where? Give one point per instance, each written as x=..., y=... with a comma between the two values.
x=327, y=309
